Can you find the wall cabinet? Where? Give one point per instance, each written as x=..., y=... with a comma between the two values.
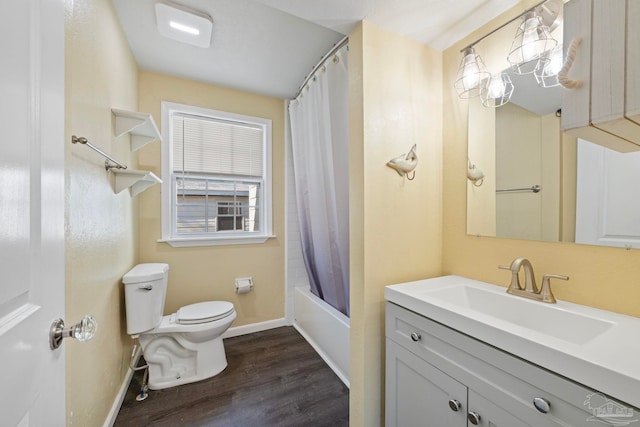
x=436, y=376
x=606, y=108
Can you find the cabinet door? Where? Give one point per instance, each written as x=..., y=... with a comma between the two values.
x=418, y=394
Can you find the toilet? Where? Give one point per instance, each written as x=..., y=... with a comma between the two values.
x=180, y=348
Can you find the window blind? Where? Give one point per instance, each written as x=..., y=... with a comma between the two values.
x=220, y=147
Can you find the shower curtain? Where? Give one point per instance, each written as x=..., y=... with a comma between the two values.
x=319, y=134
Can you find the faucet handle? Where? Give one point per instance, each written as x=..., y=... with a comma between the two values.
x=504, y=267
x=545, y=293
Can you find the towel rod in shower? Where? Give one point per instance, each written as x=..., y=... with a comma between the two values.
x=533, y=189
x=107, y=165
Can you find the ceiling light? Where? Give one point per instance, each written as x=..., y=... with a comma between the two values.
x=471, y=73
x=185, y=28
x=548, y=67
x=497, y=90
x=533, y=38
x=184, y=25
x=533, y=50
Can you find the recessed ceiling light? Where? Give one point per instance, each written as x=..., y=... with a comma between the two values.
x=184, y=25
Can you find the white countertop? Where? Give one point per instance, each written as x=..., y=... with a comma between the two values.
x=597, y=348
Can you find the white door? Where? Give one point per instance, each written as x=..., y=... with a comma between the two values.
x=608, y=196
x=31, y=211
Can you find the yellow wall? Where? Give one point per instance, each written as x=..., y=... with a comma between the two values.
x=601, y=277
x=481, y=195
x=208, y=273
x=100, y=225
x=395, y=102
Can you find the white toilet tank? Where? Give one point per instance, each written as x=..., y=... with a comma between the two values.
x=145, y=288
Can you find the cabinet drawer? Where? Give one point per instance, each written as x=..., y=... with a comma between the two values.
x=508, y=381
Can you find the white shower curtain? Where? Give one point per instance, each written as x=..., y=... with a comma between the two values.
x=319, y=133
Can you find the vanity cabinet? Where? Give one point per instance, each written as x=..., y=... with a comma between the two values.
x=606, y=108
x=436, y=376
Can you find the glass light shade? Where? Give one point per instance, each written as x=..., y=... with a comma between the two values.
x=496, y=90
x=549, y=65
x=532, y=40
x=471, y=73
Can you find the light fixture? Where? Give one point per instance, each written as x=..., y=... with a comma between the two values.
x=533, y=50
x=533, y=38
x=497, y=90
x=548, y=67
x=471, y=73
x=184, y=25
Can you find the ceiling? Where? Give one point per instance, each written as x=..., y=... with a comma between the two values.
x=269, y=46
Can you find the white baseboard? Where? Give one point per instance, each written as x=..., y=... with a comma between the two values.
x=117, y=403
x=323, y=355
x=255, y=327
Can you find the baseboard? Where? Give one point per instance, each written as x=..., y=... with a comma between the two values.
x=117, y=403
x=323, y=355
x=255, y=327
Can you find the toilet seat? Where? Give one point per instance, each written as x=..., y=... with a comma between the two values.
x=203, y=312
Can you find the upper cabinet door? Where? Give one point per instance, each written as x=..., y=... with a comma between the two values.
x=599, y=111
x=633, y=61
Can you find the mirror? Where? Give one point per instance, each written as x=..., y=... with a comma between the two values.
x=539, y=183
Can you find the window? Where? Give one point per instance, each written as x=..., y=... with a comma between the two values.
x=216, y=170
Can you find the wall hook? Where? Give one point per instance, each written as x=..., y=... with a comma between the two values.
x=404, y=164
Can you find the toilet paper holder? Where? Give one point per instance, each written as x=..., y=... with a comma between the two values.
x=244, y=285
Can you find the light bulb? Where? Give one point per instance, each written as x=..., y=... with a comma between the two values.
x=529, y=39
x=532, y=40
x=471, y=72
x=554, y=65
x=497, y=91
x=496, y=88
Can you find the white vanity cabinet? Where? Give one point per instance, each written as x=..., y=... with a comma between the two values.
x=606, y=108
x=438, y=377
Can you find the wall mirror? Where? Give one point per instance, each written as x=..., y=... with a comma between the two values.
x=528, y=180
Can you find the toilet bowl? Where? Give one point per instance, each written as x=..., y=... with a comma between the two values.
x=179, y=348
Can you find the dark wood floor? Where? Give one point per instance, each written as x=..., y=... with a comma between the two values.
x=274, y=378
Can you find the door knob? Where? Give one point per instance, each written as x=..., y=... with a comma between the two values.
x=454, y=405
x=82, y=331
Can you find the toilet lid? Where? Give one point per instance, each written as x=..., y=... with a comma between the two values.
x=203, y=312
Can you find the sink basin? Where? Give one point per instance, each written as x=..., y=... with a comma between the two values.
x=539, y=317
x=596, y=348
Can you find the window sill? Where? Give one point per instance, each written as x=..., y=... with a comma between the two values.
x=186, y=242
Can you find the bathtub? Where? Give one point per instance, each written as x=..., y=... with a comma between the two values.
x=325, y=328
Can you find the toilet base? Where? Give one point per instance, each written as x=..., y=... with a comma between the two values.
x=172, y=362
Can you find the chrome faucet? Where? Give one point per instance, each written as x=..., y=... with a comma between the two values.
x=530, y=289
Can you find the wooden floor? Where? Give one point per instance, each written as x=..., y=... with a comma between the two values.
x=274, y=378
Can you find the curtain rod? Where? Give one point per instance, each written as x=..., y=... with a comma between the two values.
x=502, y=26
x=333, y=50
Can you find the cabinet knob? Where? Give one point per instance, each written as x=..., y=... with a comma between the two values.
x=415, y=337
x=454, y=405
x=541, y=404
x=474, y=418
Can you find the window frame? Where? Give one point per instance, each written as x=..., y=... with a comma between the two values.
x=168, y=211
